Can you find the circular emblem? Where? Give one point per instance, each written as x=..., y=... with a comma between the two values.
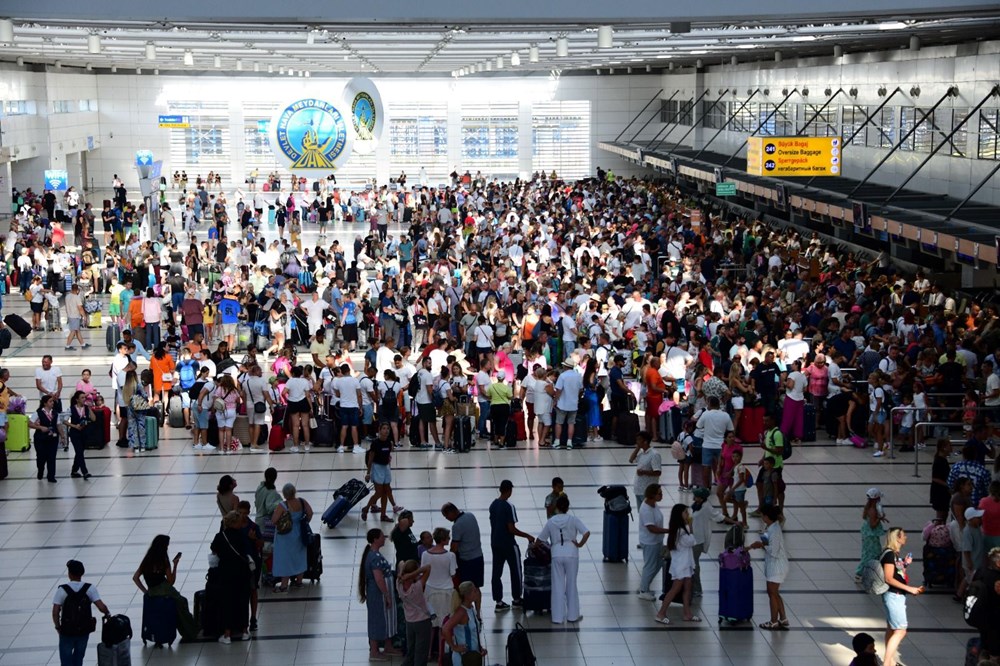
x=312, y=135
x=363, y=114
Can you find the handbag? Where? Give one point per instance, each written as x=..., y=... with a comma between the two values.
x=284, y=523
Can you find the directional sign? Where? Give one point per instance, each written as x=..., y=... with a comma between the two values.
x=794, y=156
x=56, y=180
x=725, y=189
x=156, y=170
x=144, y=158
x=179, y=122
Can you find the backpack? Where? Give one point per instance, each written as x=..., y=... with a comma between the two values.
x=388, y=404
x=873, y=576
x=116, y=629
x=976, y=610
x=519, y=652
x=76, y=618
x=437, y=399
x=186, y=371
x=413, y=388
x=5, y=338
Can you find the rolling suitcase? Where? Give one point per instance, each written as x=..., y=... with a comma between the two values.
x=152, y=433
x=93, y=434
x=344, y=499
x=939, y=566
x=627, y=429
x=735, y=595
x=809, y=423
x=206, y=609
x=212, y=436
x=17, y=324
x=243, y=336
x=94, y=320
x=537, y=592
x=314, y=558
x=518, y=419
x=107, y=421
x=751, y=425
x=119, y=654
x=241, y=429
x=17, y=433
x=175, y=413
x=605, y=430
x=276, y=438
x=322, y=434
x=615, y=546
x=463, y=434
x=159, y=620
x=112, y=335
x=510, y=435
x=336, y=512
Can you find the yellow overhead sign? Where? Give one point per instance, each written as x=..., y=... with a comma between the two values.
x=794, y=155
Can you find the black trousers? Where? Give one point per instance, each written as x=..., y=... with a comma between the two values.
x=511, y=556
x=45, y=452
x=79, y=463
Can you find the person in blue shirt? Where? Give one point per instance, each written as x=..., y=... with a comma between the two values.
x=349, y=321
x=187, y=373
x=619, y=390
x=229, y=315
x=140, y=349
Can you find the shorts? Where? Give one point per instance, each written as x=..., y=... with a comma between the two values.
x=201, y=418
x=381, y=475
x=350, y=332
x=545, y=419
x=895, y=609
x=740, y=495
x=562, y=416
x=226, y=418
x=877, y=417
x=114, y=309
x=74, y=323
x=426, y=412
x=367, y=413
x=737, y=401
x=228, y=330
x=300, y=407
x=710, y=456
x=36, y=307
x=905, y=430
x=254, y=418
x=185, y=400
x=349, y=416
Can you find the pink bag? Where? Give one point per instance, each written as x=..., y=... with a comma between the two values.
x=734, y=559
x=858, y=441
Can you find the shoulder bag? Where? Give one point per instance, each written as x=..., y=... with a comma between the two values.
x=284, y=524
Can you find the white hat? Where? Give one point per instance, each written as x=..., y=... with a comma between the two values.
x=874, y=493
x=973, y=512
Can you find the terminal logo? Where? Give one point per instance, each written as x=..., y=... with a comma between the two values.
x=312, y=134
x=364, y=115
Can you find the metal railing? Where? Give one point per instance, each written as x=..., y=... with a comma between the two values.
x=916, y=456
x=917, y=426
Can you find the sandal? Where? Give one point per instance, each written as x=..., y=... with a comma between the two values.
x=386, y=519
x=398, y=508
x=770, y=626
x=693, y=618
x=784, y=623
x=364, y=513
x=662, y=620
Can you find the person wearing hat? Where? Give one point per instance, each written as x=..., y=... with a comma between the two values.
x=503, y=530
x=71, y=614
x=973, y=546
x=872, y=529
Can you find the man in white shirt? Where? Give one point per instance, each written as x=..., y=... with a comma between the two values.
x=425, y=404
x=73, y=640
x=483, y=382
x=567, y=394
x=715, y=423
x=651, y=531
x=315, y=309
x=348, y=392
x=48, y=381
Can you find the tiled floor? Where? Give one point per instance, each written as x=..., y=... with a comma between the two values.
x=108, y=521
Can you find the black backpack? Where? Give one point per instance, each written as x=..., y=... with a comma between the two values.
x=76, y=618
x=413, y=388
x=388, y=403
x=519, y=652
x=5, y=339
x=116, y=629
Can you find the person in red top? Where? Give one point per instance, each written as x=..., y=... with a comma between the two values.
x=654, y=395
x=991, y=517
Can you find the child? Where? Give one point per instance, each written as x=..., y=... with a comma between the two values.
x=426, y=543
x=864, y=646
x=550, y=499
x=208, y=319
x=904, y=421
x=682, y=448
x=727, y=465
x=970, y=407
x=85, y=385
x=973, y=547
x=410, y=586
x=742, y=480
x=765, y=482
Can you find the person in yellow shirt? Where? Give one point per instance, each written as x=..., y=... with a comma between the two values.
x=500, y=394
x=115, y=305
x=208, y=319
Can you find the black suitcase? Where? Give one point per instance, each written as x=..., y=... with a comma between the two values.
x=176, y=410
x=212, y=437
x=322, y=435
x=463, y=434
x=510, y=434
x=537, y=586
x=17, y=324
x=314, y=558
x=809, y=423
x=627, y=429
x=93, y=433
x=159, y=620
x=605, y=431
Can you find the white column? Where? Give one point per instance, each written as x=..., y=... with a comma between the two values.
x=454, y=140
x=237, y=144
x=525, y=145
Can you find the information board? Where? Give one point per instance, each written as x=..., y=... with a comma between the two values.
x=794, y=155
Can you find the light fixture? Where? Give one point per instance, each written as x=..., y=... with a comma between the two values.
x=892, y=25
x=480, y=67
x=270, y=69
x=838, y=51
x=533, y=53
x=515, y=59
x=20, y=61
x=670, y=66
x=499, y=62
x=914, y=43
x=611, y=70
x=915, y=91
x=281, y=70
x=256, y=67
x=150, y=51
x=138, y=70
x=311, y=37
x=114, y=69
x=597, y=71
x=562, y=47
x=489, y=65
x=291, y=72
x=699, y=63
x=188, y=58
x=89, y=67
x=733, y=61
x=217, y=62
x=93, y=43
x=828, y=91
x=605, y=37
x=649, y=69
x=6, y=31
x=156, y=72
x=805, y=92
x=882, y=91
x=853, y=92
x=777, y=56
x=58, y=64
x=239, y=65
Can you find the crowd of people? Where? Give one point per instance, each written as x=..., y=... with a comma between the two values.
x=541, y=311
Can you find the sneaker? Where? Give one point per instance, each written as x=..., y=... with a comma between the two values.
x=294, y=449
x=198, y=447
x=569, y=445
x=358, y=449
x=208, y=447
x=245, y=636
x=449, y=450
x=755, y=514
x=517, y=603
x=253, y=624
x=341, y=449
x=69, y=348
x=86, y=345
x=877, y=454
x=307, y=448
x=501, y=606
x=225, y=640
x=647, y=596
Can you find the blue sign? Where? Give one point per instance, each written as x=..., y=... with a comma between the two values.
x=56, y=180
x=144, y=158
x=180, y=122
x=312, y=135
x=263, y=126
x=90, y=143
x=156, y=171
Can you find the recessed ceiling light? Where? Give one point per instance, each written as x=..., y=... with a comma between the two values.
x=605, y=37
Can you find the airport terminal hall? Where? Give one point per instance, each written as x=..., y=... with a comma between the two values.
x=563, y=333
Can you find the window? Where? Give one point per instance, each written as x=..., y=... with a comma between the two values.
x=560, y=138
x=774, y=120
x=882, y=129
x=989, y=124
x=88, y=105
x=676, y=111
x=713, y=114
x=489, y=138
x=418, y=138
x=63, y=106
x=824, y=121
x=17, y=107
x=743, y=120
x=205, y=145
x=909, y=116
x=854, y=117
x=946, y=121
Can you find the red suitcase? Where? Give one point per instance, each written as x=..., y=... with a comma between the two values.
x=522, y=431
x=276, y=438
x=107, y=423
x=751, y=425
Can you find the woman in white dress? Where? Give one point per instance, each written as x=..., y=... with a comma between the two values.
x=681, y=542
x=439, y=587
x=775, y=565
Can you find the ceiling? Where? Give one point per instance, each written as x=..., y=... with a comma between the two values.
x=462, y=49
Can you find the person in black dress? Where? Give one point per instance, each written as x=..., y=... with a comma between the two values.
x=80, y=417
x=940, y=492
x=46, y=437
x=233, y=550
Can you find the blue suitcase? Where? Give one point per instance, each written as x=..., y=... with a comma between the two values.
x=616, y=528
x=735, y=595
x=159, y=620
x=336, y=511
